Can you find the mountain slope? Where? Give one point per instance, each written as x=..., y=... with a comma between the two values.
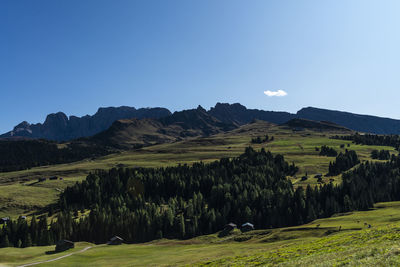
x=131, y=133
x=123, y=134
x=59, y=127
x=316, y=125
x=362, y=123
x=239, y=114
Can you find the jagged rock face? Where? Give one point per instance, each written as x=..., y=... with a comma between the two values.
x=59, y=127
x=22, y=129
x=55, y=127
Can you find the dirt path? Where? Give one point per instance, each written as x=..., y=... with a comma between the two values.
x=55, y=259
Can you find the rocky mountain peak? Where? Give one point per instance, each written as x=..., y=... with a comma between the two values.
x=22, y=125
x=200, y=108
x=58, y=118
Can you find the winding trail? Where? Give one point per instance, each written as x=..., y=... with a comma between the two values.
x=55, y=259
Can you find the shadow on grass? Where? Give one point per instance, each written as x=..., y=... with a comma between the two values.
x=50, y=252
x=33, y=183
x=224, y=233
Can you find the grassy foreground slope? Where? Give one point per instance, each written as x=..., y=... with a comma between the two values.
x=319, y=243
x=19, y=195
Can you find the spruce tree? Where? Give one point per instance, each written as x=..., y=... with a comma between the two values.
x=182, y=228
x=5, y=242
x=28, y=242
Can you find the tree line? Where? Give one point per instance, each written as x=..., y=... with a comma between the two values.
x=327, y=151
x=19, y=233
x=372, y=139
x=380, y=154
x=343, y=162
x=260, y=140
x=25, y=154
x=143, y=204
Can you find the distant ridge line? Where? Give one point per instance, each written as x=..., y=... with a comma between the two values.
x=59, y=127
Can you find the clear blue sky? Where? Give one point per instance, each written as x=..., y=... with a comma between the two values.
x=75, y=56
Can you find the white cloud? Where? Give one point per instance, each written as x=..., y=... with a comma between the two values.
x=275, y=93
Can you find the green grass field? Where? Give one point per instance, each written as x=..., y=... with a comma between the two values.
x=343, y=239
x=319, y=243
x=298, y=147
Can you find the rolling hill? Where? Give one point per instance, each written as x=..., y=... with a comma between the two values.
x=297, y=146
x=208, y=139
x=20, y=154
x=239, y=114
x=356, y=122
x=133, y=133
x=300, y=124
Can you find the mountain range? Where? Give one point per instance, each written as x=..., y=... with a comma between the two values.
x=153, y=125
x=237, y=113
x=59, y=127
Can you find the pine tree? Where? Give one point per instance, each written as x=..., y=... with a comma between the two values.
x=28, y=242
x=159, y=234
x=34, y=230
x=182, y=226
x=5, y=242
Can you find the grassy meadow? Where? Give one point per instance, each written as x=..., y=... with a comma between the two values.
x=342, y=240
x=20, y=195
